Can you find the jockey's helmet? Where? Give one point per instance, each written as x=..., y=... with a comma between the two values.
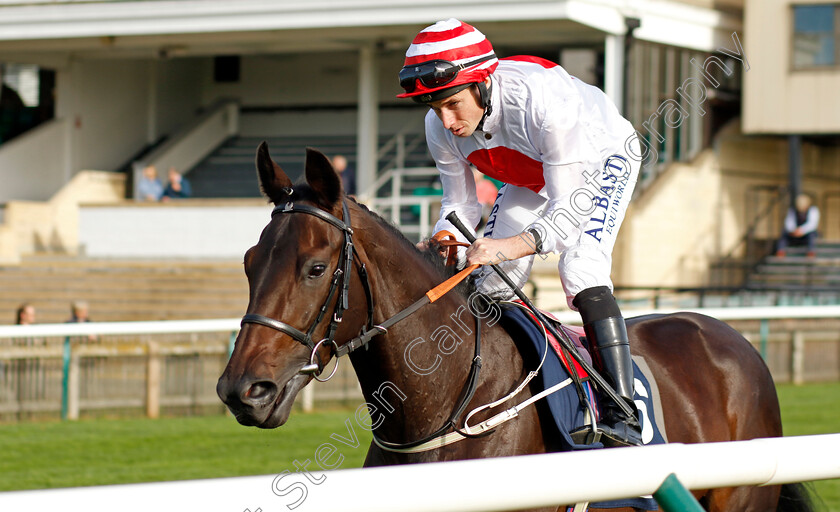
x=444, y=59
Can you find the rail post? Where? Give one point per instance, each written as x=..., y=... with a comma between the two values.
x=764, y=334
x=153, y=378
x=672, y=496
x=65, y=377
x=797, y=358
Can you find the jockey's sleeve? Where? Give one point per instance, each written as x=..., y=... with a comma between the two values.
x=456, y=179
x=565, y=149
x=560, y=225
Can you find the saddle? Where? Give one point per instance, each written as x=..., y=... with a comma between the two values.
x=562, y=412
x=567, y=412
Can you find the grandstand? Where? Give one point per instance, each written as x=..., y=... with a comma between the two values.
x=201, y=103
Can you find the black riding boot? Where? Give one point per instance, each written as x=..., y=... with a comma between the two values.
x=608, y=339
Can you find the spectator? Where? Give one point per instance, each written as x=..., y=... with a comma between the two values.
x=800, y=226
x=178, y=186
x=25, y=314
x=80, y=314
x=149, y=188
x=29, y=376
x=348, y=175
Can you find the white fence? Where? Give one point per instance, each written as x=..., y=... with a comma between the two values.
x=167, y=365
x=509, y=483
x=150, y=368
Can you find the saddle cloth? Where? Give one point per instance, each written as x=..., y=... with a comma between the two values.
x=563, y=407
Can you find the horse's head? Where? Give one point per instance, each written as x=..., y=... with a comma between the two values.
x=298, y=278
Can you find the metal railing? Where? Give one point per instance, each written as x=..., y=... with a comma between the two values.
x=411, y=214
x=734, y=267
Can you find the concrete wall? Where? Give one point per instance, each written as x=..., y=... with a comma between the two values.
x=53, y=226
x=106, y=104
x=176, y=99
x=778, y=99
x=194, y=229
x=32, y=166
x=302, y=79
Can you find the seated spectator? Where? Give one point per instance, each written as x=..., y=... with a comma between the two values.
x=149, y=188
x=800, y=227
x=178, y=186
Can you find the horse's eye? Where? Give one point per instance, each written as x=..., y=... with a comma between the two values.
x=317, y=270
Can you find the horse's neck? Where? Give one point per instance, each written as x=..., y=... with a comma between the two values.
x=413, y=376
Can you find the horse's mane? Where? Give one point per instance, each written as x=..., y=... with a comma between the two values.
x=430, y=255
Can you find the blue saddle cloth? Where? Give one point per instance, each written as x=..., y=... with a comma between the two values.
x=564, y=407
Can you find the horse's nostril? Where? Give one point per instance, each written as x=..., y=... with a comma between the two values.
x=257, y=392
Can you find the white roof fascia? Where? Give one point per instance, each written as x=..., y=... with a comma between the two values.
x=667, y=22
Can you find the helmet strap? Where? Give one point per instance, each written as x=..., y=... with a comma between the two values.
x=484, y=99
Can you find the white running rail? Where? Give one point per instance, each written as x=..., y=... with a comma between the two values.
x=469, y=486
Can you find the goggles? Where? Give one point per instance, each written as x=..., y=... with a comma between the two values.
x=434, y=73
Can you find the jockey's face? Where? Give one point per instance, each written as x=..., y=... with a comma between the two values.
x=461, y=112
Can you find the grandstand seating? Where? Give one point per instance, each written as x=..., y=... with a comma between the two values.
x=124, y=290
x=229, y=171
x=797, y=271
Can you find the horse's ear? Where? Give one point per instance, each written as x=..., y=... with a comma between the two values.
x=322, y=177
x=274, y=183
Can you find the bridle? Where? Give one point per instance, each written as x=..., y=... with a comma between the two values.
x=340, y=283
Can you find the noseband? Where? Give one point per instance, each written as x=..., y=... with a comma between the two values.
x=340, y=283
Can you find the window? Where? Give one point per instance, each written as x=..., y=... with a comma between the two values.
x=816, y=35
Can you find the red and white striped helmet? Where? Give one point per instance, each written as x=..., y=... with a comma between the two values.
x=444, y=59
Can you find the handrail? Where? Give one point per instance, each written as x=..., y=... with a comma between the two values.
x=758, y=218
x=233, y=324
x=750, y=260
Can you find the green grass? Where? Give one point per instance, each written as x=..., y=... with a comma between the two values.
x=809, y=410
x=108, y=451
x=97, y=452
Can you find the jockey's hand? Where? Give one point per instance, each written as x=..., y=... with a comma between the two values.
x=490, y=251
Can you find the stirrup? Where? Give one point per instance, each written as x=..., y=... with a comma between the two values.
x=622, y=433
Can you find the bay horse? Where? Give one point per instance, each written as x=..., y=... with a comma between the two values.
x=315, y=275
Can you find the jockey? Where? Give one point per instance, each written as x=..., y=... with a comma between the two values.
x=569, y=162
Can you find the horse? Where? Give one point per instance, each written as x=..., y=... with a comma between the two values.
x=323, y=250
